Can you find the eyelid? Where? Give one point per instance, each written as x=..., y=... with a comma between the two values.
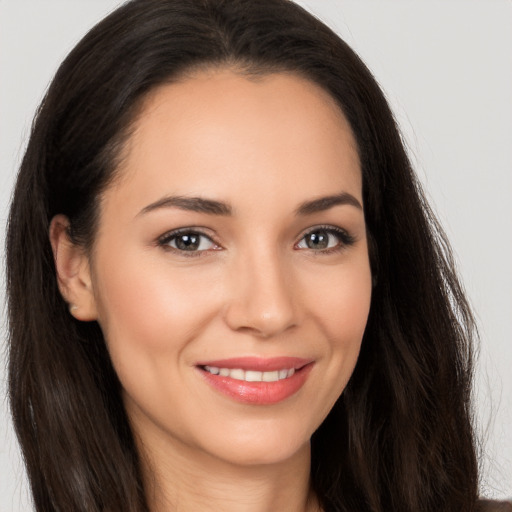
x=187, y=229
x=345, y=237
x=163, y=240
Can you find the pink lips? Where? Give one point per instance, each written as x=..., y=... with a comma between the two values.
x=258, y=393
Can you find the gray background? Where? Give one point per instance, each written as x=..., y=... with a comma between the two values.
x=446, y=68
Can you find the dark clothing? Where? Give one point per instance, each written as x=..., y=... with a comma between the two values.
x=494, y=506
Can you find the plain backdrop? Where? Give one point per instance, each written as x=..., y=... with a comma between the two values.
x=446, y=68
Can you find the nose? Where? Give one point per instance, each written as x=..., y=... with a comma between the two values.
x=261, y=299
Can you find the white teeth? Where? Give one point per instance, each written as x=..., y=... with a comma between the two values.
x=237, y=374
x=270, y=376
x=251, y=375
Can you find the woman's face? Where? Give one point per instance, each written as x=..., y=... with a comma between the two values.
x=230, y=270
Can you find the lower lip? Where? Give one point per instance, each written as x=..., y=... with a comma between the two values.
x=258, y=393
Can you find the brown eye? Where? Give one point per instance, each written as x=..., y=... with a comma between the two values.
x=187, y=241
x=190, y=242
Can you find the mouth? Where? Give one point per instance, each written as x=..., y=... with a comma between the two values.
x=250, y=375
x=257, y=381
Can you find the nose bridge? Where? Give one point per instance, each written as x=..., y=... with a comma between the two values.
x=262, y=298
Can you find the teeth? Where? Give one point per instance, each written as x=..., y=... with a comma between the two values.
x=237, y=374
x=270, y=376
x=251, y=375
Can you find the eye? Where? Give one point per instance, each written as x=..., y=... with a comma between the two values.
x=187, y=241
x=325, y=239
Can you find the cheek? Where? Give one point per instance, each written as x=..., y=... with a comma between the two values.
x=340, y=309
x=146, y=306
x=150, y=315
x=341, y=302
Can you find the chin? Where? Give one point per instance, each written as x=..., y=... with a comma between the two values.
x=264, y=446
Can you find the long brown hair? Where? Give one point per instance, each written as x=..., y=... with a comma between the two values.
x=400, y=436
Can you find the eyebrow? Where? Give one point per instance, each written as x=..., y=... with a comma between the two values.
x=325, y=203
x=212, y=207
x=193, y=204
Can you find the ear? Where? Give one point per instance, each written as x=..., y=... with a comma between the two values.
x=73, y=271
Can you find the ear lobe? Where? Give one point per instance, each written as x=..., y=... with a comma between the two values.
x=73, y=271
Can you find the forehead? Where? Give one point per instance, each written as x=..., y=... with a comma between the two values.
x=219, y=132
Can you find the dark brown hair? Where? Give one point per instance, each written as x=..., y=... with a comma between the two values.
x=399, y=438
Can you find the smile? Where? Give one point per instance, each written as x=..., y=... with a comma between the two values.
x=251, y=375
x=257, y=381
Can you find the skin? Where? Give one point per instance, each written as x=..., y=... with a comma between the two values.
x=264, y=147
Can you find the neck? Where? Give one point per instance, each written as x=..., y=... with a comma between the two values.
x=179, y=478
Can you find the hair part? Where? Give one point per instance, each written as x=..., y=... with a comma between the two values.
x=399, y=437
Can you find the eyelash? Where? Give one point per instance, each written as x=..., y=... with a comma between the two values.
x=345, y=240
x=164, y=241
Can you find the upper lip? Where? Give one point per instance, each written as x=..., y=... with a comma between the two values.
x=261, y=364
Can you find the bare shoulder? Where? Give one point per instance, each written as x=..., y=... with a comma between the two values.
x=494, y=506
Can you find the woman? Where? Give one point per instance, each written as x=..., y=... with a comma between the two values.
x=216, y=193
